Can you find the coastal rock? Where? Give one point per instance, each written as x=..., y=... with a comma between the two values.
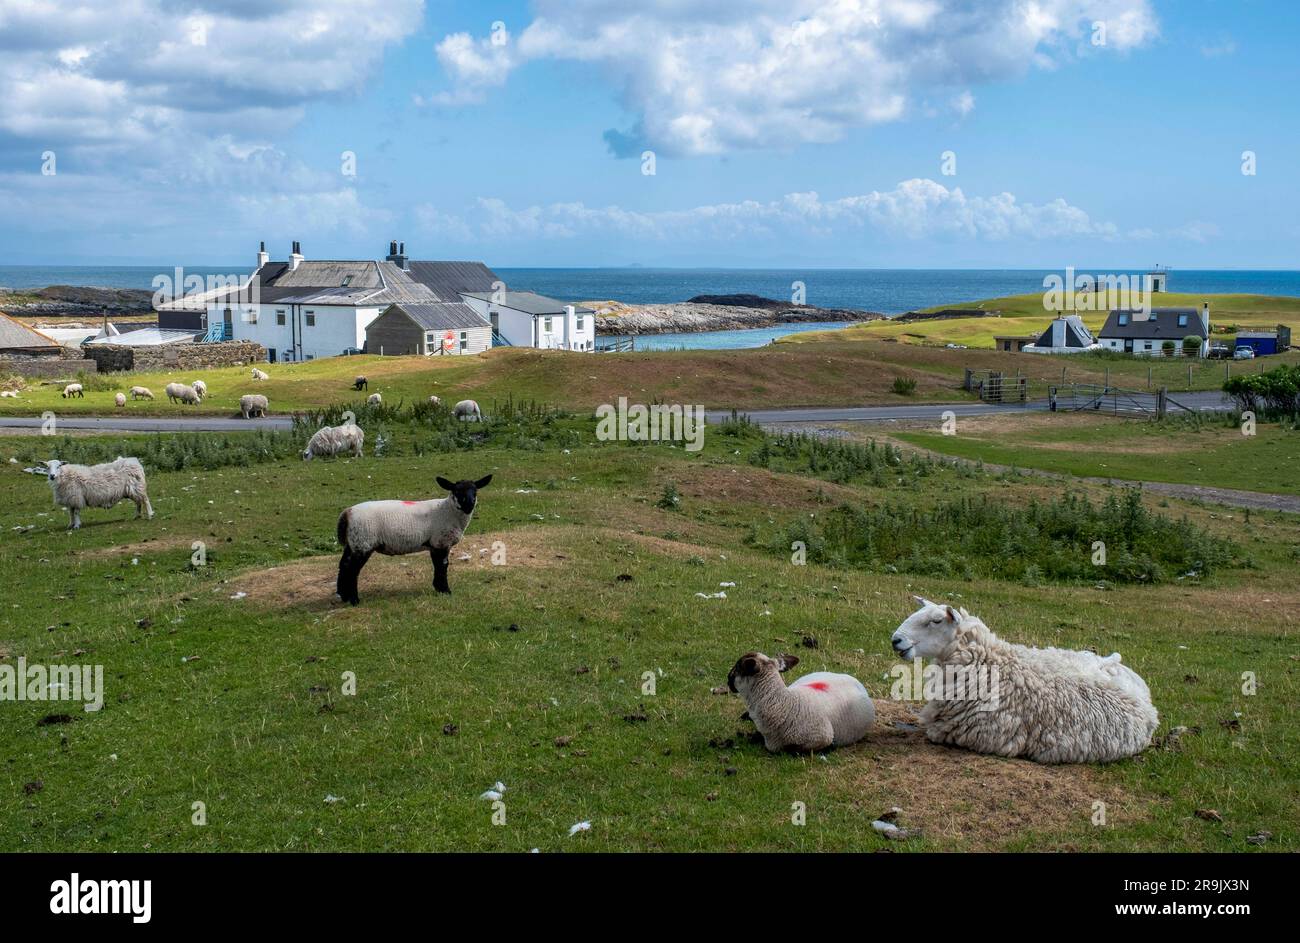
x=75, y=301
x=713, y=313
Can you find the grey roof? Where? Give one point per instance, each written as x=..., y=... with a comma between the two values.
x=441, y=316
x=331, y=275
x=1161, y=325
x=16, y=335
x=147, y=337
x=448, y=279
x=527, y=301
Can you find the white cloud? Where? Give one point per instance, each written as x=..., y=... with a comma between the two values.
x=706, y=79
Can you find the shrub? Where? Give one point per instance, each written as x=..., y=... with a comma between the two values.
x=904, y=386
x=671, y=499
x=1191, y=345
x=1168, y=348
x=1274, y=394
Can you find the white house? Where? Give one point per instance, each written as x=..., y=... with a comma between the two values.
x=527, y=319
x=1144, y=334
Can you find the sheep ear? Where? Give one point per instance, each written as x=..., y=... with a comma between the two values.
x=921, y=602
x=950, y=613
x=483, y=482
x=786, y=662
x=444, y=483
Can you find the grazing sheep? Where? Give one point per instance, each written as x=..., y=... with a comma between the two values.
x=467, y=410
x=400, y=527
x=251, y=403
x=180, y=392
x=374, y=399
x=259, y=375
x=98, y=486
x=819, y=710
x=10, y=394
x=141, y=392
x=201, y=388
x=360, y=383
x=119, y=400
x=1052, y=705
x=73, y=389
x=335, y=440
x=434, y=400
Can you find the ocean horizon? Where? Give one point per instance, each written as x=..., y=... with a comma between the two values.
x=887, y=291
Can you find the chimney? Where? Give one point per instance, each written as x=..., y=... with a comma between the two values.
x=397, y=254
x=262, y=257
x=1205, y=318
x=295, y=257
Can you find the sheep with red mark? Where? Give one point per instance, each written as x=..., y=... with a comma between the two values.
x=820, y=710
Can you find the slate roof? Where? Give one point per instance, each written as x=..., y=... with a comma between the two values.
x=527, y=301
x=442, y=316
x=146, y=337
x=14, y=335
x=1161, y=325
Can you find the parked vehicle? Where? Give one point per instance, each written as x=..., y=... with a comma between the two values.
x=1220, y=352
x=1243, y=353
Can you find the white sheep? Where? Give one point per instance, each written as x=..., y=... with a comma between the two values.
x=467, y=410
x=395, y=528
x=374, y=399
x=259, y=375
x=820, y=710
x=201, y=388
x=434, y=400
x=98, y=486
x=73, y=389
x=1052, y=705
x=183, y=393
x=119, y=400
x=141, y=392
x=335, y=440
x=251, y=403
x=9, y=394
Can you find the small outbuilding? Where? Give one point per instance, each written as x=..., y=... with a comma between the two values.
x=439, y=328
x=1066, y=335
x=1264, y=343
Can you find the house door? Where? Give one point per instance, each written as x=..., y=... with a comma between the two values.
x=228, y=321
x=495, y=318
x=1128, y=345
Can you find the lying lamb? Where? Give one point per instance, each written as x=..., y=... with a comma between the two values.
x=259, y=375
x=335, y=440
x=394, y=528
x=819, y=710
x=73, y=389
x=201, y=388
x=467, y=410
x=251, y=403
x=141, y=392
x=183, y=393
x=1051, y=705
x=97, y=486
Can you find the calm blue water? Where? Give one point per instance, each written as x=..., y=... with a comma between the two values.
x=729, y=340
x=889, y=291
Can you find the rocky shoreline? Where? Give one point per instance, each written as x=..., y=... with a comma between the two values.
x=713, y=313
x=61, y=301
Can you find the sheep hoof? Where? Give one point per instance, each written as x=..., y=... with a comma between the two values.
x=446, y=591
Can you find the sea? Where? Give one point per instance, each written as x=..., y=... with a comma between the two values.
x=887, y=291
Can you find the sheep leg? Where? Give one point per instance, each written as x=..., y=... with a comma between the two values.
x=75, y=523
x=441, y=556
x=349, y=569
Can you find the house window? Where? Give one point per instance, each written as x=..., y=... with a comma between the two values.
x=1148, y=345
x=546, y=325
x=429, y=337
x=311, y=319
x=464, y=340
x=310, y=357
x=279, y=317
x=1123, y=320
x=1182, y=320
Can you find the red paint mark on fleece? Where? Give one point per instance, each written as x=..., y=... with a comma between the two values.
x=408, y=502
x=818, y=685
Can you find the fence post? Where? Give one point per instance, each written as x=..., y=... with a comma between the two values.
x=1189, y=376
x=1162, y=402
x=1148, y=376
x=1108, y=378
x=966, y=382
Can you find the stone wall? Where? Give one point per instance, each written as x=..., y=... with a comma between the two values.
x=113, y=358
x=46, y=366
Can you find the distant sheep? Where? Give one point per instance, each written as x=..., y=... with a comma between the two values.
x=251, y=403
x=434, y=400
x=467, y=410
x=817, y=711
x=119, y=400
x=201, y=388
x=259, y=375
x=182, y=393
x=8, y=394
x=360, y=383
x=97, y=486
x=73, y=389
x=335, y=440
x=374, y=399
x=141, y=392
x=400, y=527
x=1052, y=705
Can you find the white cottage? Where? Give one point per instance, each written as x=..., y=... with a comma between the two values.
x=527, y=319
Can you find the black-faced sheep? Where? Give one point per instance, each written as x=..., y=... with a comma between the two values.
x=395, y=528
x=97, y=486
x=819, y=710
x=360, y=383
x=73, y=389
x=335, y=440
x=1052, y=705
x=182, y=393
x=467, y=410
x=253, y=403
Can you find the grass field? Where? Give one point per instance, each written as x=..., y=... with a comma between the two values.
x=225, y=682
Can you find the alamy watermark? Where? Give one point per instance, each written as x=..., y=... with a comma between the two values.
x=918, y=682
x=654, y=423
x=24, y=682
x=1084, y=292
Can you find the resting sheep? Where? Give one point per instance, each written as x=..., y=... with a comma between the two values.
x=400, y=527
x=1052, y=705
x=360, y=383
x=73, y=389
x=97, y=486
x=141, y=392
x=251, y=403
x=119, y=400
x=434, y=400
x=201, y=388
x=374, y=399
x=259, y=375
x=467, y=410
x=335, y=440
x=180, y=392
x=819, y=710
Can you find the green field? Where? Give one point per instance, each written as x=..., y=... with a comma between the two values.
x=225, y=682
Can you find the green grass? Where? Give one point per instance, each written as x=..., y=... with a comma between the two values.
x=237, y=703
x=1209, y=452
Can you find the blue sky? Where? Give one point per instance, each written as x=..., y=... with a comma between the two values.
x=784, y=133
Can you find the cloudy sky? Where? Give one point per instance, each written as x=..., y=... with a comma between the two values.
x=838, y=133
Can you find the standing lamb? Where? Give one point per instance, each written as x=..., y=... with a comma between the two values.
x=98, y=486
x=141, y=392
x=119, y=400
x=1052, y=705
x=467, y=410
x=259, y=375
x=180, y=392
x=201, y=388
x=394, y=528
x=819, y=710
x=251, y=403
x=374, y=399
x=73, y=389
x=360, y=383
x=335, y=440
